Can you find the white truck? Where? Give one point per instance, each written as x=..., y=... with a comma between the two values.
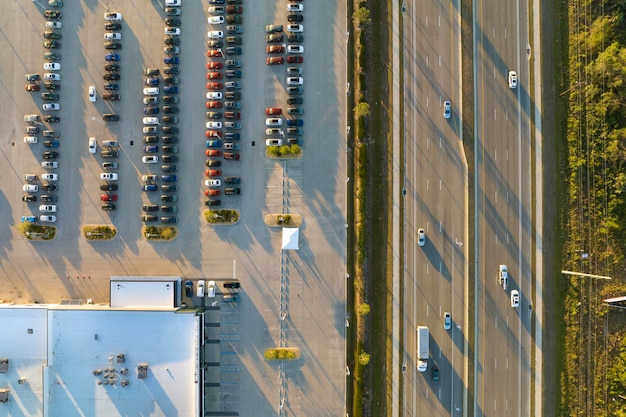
x=423, y=336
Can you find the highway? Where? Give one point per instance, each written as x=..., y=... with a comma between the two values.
x=504, y=210
x=435, y=200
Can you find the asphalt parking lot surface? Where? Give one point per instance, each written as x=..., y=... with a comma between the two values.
x=290, y=298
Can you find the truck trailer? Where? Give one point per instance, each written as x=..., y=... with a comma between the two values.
x=423, y=336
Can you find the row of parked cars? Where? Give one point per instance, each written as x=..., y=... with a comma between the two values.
x=33, y=183
x=223, y=97
x=157, y=128
x=112, y=76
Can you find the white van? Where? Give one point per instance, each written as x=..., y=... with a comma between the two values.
x=31, y=118
x=150, y=91
x=200, y=287
x=30, y=139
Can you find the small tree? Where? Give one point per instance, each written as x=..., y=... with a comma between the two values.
x=361, y=16
x=364, y=309
x=364, y=358
x=362, y=109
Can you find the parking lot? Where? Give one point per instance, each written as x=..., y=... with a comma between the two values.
x=313, y=186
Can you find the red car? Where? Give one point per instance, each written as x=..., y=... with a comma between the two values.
x=214, y=65
x=213, y=173
x=232, y=115
x=214, y=53
x=211, y=192
x=214, y=134
x=213, y=152
x=234, y=9
x=295, y=59
x=274, y=49
x=214, y=86
x=273, y=111
x=276, y=60
x=213, y=104
x=214, y=75
x=31, y=87
x=108, y=197
x=232, y=155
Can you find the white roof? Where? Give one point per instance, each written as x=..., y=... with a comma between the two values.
x=291, y=238
x=76, y=359
x=144, y=292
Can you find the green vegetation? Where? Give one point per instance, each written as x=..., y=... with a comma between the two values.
x=221, y=216
x=99, y=232
x=160, y=233
x=593, y=91
x=283, y=219
x=34, y=231
x=288, y=354
x=286, y=151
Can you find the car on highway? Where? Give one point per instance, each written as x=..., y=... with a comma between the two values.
x=503, y=276
x=512, y=79
x=447, y=109
x=447, y=320
x=421, y=237
x=514, y=298
x=435, y=374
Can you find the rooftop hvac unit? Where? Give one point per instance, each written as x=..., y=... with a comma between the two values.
x=4, y=395
x=124, y=382
x=120, y=358
x=97, y=372
x=4, y=365
x=142, y=371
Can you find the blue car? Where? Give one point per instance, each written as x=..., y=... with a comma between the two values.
x=171, y=90
x=149, y=187
x=150, y=110
x=112, y=57
x=232, y=136
x=152, y=81
x=150, y=149
x=188, y=288
x=171, y=60
x=29, y=219
x=213, y=143
x=169, y=178
x=295, y=122
x=51, y=143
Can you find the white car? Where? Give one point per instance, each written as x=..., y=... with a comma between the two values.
x=108, y=176
x=50, y=177
x=92, y=145
x=447, y=320
x=150, y=91
x=52, y=66
x=211, y=183
x=172, y=3
x=112, y=36
x=294, y=7
x=48, y=208
x=274, y=142
x=503, y=276
x=215, y=34
x=172, y=31
x=200, y=288
x=273, y=121
x=214, y=95
x=512, y=79
x=211, y=289
x=30, y=188
x=48, y=218
x=54, y=25
x=295, y=80
x=92, y=93
x=274, y=131
x=49, y=164
x=52, y=76
x=514, y=298
x=150, y=159
x=295, y=49
x=51, y=106
x=295, y=28
x=421, y=237
x=213, y=125
x=447, y=109
x=216, y=20
x=30, y=139
x=150, y=120
x=113, y=16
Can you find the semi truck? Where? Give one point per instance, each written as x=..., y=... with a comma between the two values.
x=423, y=350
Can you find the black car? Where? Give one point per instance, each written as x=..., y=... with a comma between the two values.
x=293, y=90
x=50, y=155
x=233, y=50
x=213, y=202
x=150, y=207
x=112, y=26
x=150, y=139
x=169, y=198
x=231, y=284
x=146, y=218
x=110, y=117
x=214, y=43
x=170, y=139
x=111, y=96
x=169, y=209
x=52, y=35
x=169, y=168
x=169, y=158
x=111, y=67
x=274, y=37
x=108, y=187
x=435, y=374
x=294, y=37
x=232, y=191
x=52, y=86
x=234, y=19
x=232, y=180
x=188, y=288
x=52, y=14
x=108, y=207
x=295, y=18
x=52, y=56
x=111, y=86
x=213, y=163
x=295, y=100
x=52, y=119
x=49, y=187
x=171, y=80
x=29, y=198
x=170, y=119
x=169, y=188
x=109, y=154
x=112, y=45
x=49, y=198
x=172, y=21
x=168, y=219
x=111, y=77
x=169, y=149
x=170, y=99
x=170, y=40
x=233, y=95
x=172, y=11
x=49, y=96
x=151, y=110
x=170, y=109
x=170, y=70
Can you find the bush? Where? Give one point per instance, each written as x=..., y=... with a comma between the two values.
x=221, y=216
x=99, y=232
x=361, y=16
x=157, y=233
x=282, y=354
x=285, y=151
x=34, y=231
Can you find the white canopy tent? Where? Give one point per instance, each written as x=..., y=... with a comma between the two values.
x=291, y=238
